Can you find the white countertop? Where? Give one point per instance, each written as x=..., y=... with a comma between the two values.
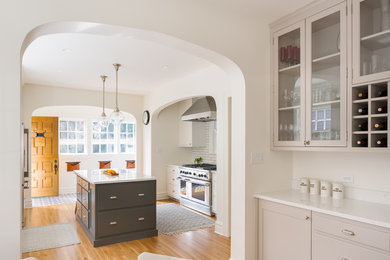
x=125, y=175
x=367, y=212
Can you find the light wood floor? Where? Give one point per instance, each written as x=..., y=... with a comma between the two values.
x=200, y=244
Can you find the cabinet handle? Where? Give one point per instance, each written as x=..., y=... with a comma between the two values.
x=141, y=194
x=113, y=223
x=348, y=232
x=113, y=197
x=307, y=218
x=344, y=258
x=141, y=219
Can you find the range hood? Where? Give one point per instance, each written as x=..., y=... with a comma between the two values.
x=203, y=110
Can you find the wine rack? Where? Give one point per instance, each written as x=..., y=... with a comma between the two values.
x=370, y=117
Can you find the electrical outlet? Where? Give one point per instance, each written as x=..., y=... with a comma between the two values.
x=256, y=157
x=347, y=179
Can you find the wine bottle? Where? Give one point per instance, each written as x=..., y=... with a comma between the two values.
x=382, y=142
x=362, y=126
x=382, y=109
x=381, y=93
x=362, y=142
x=380, y=126
x=362, y=95
x=362, y=111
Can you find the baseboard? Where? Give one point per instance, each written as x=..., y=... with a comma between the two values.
x=218, y=228
x=162, y=196
x=67, y=190
x=28, y=204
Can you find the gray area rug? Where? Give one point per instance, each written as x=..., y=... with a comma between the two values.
x=54, y=200
x=46, y=237
x=172, y=218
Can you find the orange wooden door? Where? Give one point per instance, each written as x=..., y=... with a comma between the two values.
x=44, y=156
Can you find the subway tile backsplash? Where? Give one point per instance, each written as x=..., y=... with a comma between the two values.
x=204, y=152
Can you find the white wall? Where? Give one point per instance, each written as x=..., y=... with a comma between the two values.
x=214, y=25
x=370, y=170
x=67, y=180
x=165, y=146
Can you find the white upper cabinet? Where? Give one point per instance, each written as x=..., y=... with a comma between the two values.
x=309, y=79
x=289, y=85
x=326, y=81
x=371, y=40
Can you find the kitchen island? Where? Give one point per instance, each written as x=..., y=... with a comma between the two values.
x=113, y=209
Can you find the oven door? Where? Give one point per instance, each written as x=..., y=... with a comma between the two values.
x=184, y=186
x=199, y=191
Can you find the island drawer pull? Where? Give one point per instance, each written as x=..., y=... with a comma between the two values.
x=348, y=232
x=141, y=219
x=113, y=197
x=141, y=194
x=113, y=223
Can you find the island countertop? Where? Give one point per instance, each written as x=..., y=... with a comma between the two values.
x=125, y=175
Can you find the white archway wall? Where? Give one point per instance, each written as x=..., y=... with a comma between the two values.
x=67, y=181
x=209, y=82
x=241, y=38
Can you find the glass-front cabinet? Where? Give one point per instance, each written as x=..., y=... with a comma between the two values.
x=326, y=77
x=310, y=81
x=289, y=85
x=371, y=40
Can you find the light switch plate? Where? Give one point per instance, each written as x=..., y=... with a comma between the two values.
x=256, y=157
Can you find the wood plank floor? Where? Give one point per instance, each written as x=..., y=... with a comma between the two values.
x=200, y=244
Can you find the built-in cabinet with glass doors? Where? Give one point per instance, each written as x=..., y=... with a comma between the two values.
x=309, y=80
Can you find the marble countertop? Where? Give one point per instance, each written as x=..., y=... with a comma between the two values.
x=125, y=175
x=363, y=211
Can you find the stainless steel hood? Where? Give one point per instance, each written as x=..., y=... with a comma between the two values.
x=202, y=110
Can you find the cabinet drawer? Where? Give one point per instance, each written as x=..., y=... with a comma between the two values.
x=78, y=192
x=78, y=209
x=85, y=198
x=85, y=216
x=85, y=184
x=78, y=180
x=328, y=248
x=126, y=220
x=351, y=230
x=124, y=195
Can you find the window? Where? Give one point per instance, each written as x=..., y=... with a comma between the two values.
x=72, y=136
x=126, y=138
x=321, y=120
x=103, y=138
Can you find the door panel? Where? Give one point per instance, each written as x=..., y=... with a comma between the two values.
x=44, y=156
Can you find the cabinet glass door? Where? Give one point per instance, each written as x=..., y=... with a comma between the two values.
x=326, y=78
x=371, y=39
x=289, y=86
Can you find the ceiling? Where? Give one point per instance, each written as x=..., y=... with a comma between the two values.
x=77, y=61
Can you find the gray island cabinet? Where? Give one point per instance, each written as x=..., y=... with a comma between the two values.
x=113, y=209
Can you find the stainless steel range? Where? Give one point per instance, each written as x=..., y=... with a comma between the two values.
x=195, y=186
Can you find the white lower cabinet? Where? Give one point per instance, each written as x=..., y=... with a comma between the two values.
x=287, y=232
x=173, y=184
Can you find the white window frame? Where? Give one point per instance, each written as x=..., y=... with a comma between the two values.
x=127, y=140
x=67, y=142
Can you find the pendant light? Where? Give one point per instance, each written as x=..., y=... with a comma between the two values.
x=103, y=120
x=117, y=116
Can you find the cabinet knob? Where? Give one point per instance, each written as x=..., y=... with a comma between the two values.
x=113, y=223
x=348, y=232
x=307, y=218
x=306, y=142
x=113, y=197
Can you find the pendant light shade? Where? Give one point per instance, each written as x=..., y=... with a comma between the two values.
x=103, y=120
x=117, y=116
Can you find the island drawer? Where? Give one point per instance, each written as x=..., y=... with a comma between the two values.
x=79, y=192
x=84, y=184
x=78, y=209
x=85, y=198
x=125, y=195
x=125, y=220
x=85, y=216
